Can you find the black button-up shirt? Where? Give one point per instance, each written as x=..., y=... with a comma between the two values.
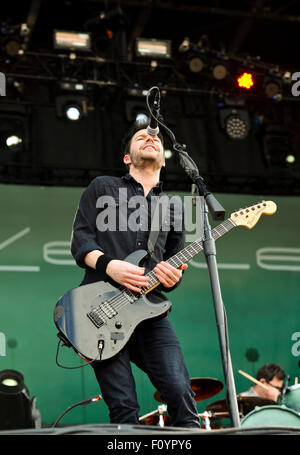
x=106, y=220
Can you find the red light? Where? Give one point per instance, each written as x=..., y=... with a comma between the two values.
x=245, y=81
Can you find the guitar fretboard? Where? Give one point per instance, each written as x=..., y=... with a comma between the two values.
x=190, y=251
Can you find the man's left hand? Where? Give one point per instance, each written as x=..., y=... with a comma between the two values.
x=167, y=274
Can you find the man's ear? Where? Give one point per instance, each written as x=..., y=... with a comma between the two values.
x=126, y=159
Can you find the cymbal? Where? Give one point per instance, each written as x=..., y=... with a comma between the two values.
x=245, y=404
x=203, y=387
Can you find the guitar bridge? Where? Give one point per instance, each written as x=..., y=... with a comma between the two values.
x=96, y=319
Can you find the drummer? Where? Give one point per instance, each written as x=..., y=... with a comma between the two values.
x=271, y=376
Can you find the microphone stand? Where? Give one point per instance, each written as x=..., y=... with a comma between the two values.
x=218, y=213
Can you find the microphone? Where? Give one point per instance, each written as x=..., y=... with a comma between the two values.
x=152, y=128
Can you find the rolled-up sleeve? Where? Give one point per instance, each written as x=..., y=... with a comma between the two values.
x=84, y=233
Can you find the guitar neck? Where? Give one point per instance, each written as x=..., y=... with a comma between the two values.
x=189, y=252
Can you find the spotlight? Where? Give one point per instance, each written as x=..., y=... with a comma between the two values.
x=16, y=408
x=185, y=45
x=71, y=107
x=141, y=118
x=152, y=48
x=219, y=71
x=196, y=64
x=12, y=133
x=136, y=111
x=168, y=154
x=246, y=81
x=12, y=142
x=290, y=159
x=12, y=47
x=73, y=112
x=272, y=88
x=235, y=122
x=71, y=40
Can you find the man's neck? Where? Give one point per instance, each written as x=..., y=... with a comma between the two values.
x=148, y=178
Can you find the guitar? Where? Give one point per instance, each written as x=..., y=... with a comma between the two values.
x=98, y=319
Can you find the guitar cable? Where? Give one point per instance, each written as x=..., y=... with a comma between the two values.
x=79, y=366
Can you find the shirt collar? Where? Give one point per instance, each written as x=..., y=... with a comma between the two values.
x=157, y=188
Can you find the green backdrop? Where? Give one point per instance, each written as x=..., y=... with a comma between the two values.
x=259, y=276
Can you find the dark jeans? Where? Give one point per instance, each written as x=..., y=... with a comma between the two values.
x=155, y=349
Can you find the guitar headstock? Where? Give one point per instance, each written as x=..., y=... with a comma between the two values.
x=249, y=216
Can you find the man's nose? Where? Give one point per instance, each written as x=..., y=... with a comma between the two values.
x=149, y=138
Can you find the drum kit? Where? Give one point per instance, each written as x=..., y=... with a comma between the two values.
x=253, y=410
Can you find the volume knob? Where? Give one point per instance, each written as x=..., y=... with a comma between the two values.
x=118, y=325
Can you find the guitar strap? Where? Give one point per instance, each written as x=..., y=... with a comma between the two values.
x=158, y=218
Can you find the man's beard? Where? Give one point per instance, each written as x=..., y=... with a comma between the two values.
x=142, y=162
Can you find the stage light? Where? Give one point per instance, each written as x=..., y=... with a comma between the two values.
x=16, y=408
x=235, y=122
x=12, y=47
x=168, y=154
x=246, y=81
x=196, y=64
x=219, y=71
x=185, y=45
x=141, y=118
x=290, y=159
x=152, y=48
x=71, y=40
x=12, y=133
x=272, y=88
x=13, y=142
x=73, y=112
x=71, y=107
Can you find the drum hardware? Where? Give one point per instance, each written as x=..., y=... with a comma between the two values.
x=206, y=416
x=203, y=388
x=155, y=417
x=245, y=404
x=162, y=408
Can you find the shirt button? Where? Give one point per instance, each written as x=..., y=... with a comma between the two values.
x=139, y=243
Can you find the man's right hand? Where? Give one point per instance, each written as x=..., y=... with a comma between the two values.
x=127, y=274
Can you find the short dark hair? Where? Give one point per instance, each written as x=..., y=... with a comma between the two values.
x=269, y=371
x=131, y=132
